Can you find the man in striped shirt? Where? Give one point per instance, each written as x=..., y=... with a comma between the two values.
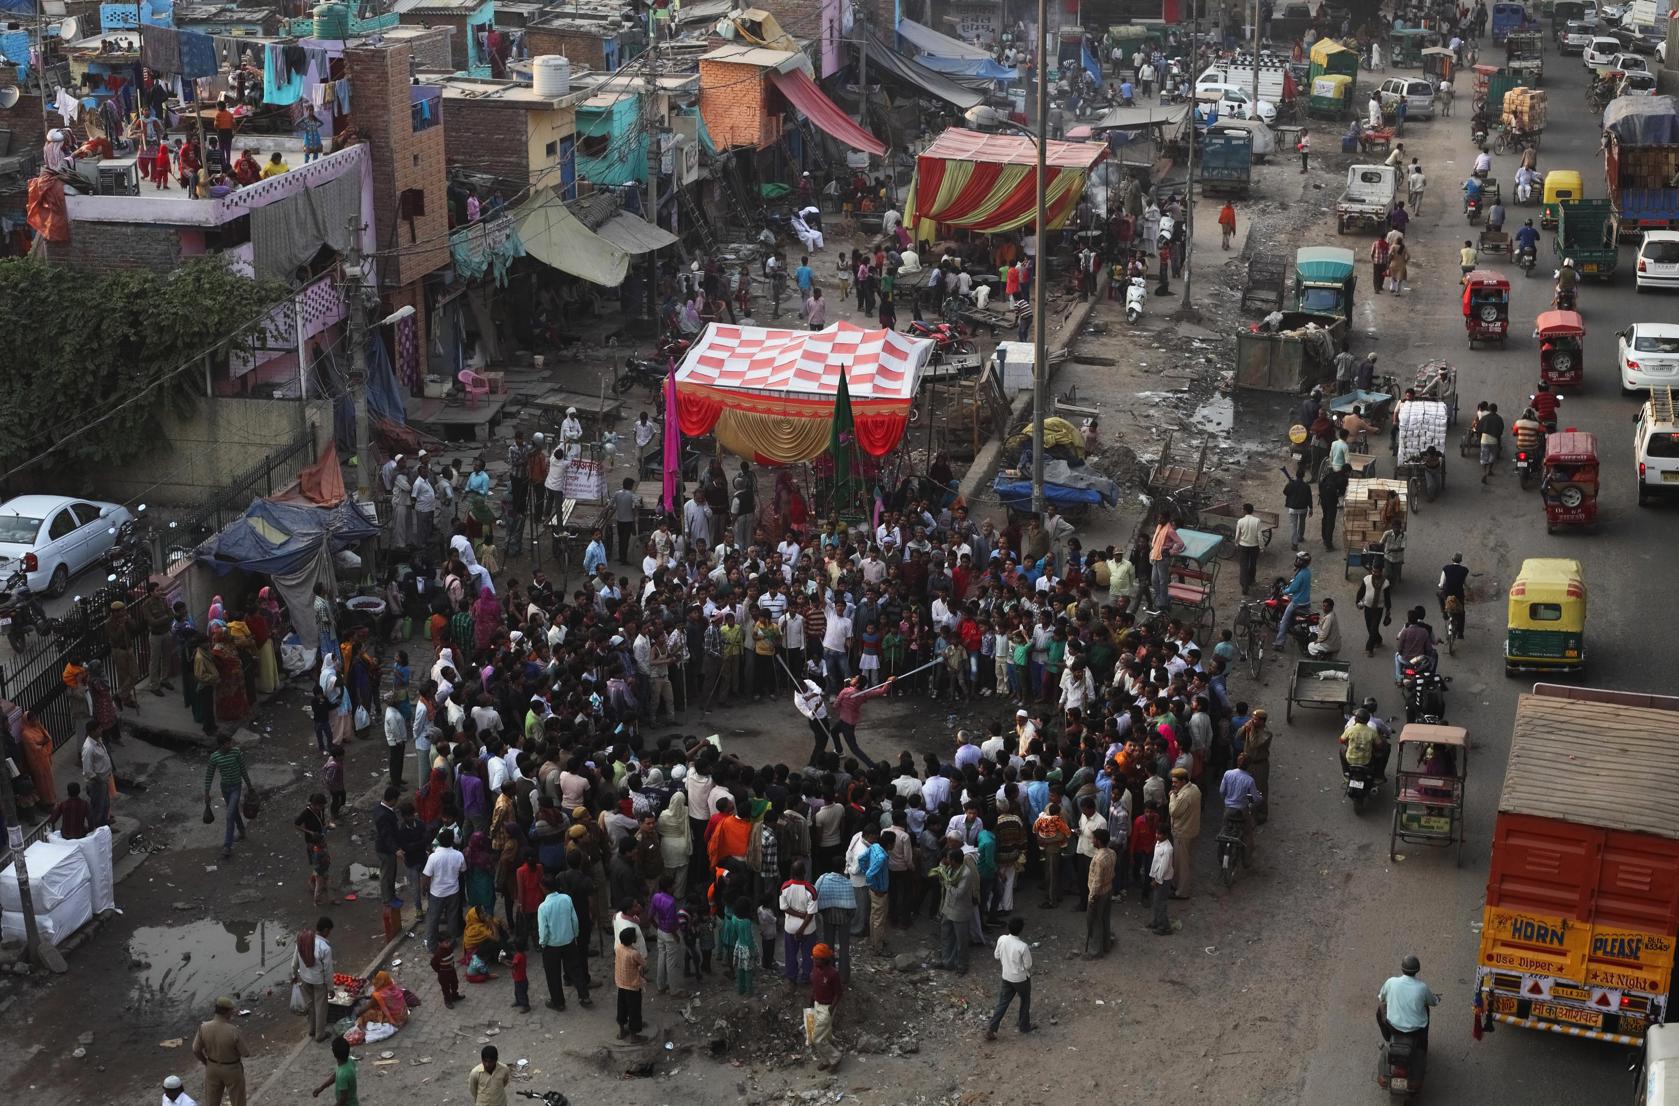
x=229, y=763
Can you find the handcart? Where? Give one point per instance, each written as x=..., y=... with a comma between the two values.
x=1321, y=685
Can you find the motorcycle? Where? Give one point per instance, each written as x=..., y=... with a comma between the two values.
x=947, y=338
x=1566, y=297
x=129, y=560
x=648, y=373
x=1472, y=208
x=1232, y=845
x=1401, y=1063
x=21, y=613
x=1136, y=298
x=1424, y=690
x=1526, y=258
x=1526, y=462
x=547, y=1098
x=1363, y=781
x=1303, y=629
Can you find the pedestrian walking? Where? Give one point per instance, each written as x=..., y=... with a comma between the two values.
x=1015, y=957
x=228, y=763
x=1491, y=426
x=311, y=970
x=221, y=1048
x=448, y=980
x=1297, y=502
x=1303, y=147
x=1331, y=488
x=1416, y=182
x=311, y=823
x=343, y=1077
x=1249, y=539
x=1379, y=256
x=1375, y=599
x=487, y=1083
x=98, y=772
x=1227, y=223
x=827, y=987
x=174, y=1092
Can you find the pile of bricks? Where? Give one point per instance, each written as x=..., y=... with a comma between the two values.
x=1370, y=507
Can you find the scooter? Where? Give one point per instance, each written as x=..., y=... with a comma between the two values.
x=1136, y=297
x=1424, y=690
x=1526, y=258
x=1401, y=1063
x=21, y=613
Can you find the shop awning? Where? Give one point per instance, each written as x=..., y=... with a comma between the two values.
x=823, y=113
x=929, y=41
x=557, y=238
x=636, y=235
x=928, y=81
x=985, y=68
x=1126, y=119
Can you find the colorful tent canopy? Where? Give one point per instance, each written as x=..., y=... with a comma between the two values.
x=987, y=182
x=769, y=394
x=823, y=113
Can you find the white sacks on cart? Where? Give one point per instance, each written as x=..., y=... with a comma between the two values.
x=69, y=883
x=1422, y=423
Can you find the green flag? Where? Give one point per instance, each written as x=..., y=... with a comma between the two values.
x=842, y=446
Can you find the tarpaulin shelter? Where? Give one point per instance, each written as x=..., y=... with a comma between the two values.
x=290, y=540
x=769, y=395
x=986, y=69
x=934, y=84
x=929, y=41
x=825, y=115
x=988, y=182
x=1643, y=120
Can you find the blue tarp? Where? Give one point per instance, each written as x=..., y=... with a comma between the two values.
x=985, y=68
x=1643, y=120
x=1091, y=66
x=1017, y=494
x=275, y=538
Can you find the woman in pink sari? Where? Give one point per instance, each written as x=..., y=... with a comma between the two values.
x=487, y=621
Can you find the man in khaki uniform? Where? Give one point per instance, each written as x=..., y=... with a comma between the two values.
x=1185, y=806
x=222, y=1050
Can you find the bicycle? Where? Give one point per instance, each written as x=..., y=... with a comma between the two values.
x=1452, y=611
x=1250, y=629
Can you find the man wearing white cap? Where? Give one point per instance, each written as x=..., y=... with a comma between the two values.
x=174, y=1094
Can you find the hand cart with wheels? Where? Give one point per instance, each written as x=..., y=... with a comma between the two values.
x=1321, y=685
x=1221, y=519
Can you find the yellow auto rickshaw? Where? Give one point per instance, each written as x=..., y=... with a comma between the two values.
x=1560, y=185
x=1547, y=618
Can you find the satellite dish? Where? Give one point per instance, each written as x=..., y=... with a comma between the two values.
x=9, y=97
x=70, y=30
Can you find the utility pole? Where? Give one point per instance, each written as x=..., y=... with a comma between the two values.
x=1254, y=98
x=862, y=69
x=1040, y=343
x=37, y=951
x=1189, y=189
x=650, y=167
x=355, y=299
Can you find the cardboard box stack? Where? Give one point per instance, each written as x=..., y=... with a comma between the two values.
x=1524, y=109
x=1365, y=507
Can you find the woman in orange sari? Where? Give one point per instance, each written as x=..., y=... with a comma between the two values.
x=386, y=1003
x=37, y=759
x=231, y=704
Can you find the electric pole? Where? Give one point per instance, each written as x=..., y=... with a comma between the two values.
x=38, y=951
x=355, y=299
x=1040, y=344
x=1189, y=188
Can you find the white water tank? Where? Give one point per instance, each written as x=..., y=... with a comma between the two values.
x=551, y=75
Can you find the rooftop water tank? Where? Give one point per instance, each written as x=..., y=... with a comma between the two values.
x=551, y=75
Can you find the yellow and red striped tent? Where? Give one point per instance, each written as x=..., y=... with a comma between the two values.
x=988, y=182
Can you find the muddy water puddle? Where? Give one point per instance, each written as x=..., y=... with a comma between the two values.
x=187, y=966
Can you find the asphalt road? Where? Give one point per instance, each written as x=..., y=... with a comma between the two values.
x=1424, y=904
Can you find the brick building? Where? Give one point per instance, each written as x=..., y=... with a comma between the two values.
x=591, y=44
x=738, y=101
x=462, y=18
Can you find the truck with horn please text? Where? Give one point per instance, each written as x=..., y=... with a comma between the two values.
x=1582, y=909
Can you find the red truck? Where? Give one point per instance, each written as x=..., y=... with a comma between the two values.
x=1582, y=910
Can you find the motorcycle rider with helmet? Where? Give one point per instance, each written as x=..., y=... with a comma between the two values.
x=1568, y=282
x=1544, y=405
x=1403, y=1003
x=1362, y=745
x=1299, y=593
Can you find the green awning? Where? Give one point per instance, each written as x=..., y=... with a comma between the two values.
x=557, y=238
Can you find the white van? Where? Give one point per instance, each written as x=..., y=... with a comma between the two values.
x=1418, y=93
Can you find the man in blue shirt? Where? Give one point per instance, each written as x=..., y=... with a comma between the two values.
x=562, y=953
x=1298, y=592
x=805, y=279
x=877, y=874
x=595, y=555
x=1403, y=1002
x=1527, y=238
x=1127, y=92
x=1471, y=191
x=1241, y=795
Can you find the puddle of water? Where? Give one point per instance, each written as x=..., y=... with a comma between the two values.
x=1218, y=413
x=191, y=964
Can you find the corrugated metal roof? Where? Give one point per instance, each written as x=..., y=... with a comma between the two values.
x=1594, y=764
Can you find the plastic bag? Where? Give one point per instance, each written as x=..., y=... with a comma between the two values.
x=251, y=805
x=362, y=721
x=298, y=1006
x=209, y=814
x=377, y=1031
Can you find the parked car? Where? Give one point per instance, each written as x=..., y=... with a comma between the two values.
x=1658, y=260
x=1577, y=34
x=1233, y=103
x=1628, y=63
x=54, y=537
x=1636, y=84
x=1419, y=96
x=1648, y=355
x=1599, y=51
x=1655, y=447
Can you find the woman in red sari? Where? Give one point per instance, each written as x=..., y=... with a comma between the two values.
x=231, y=704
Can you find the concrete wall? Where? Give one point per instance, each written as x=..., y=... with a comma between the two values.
x=118, y=246
x=201, y=453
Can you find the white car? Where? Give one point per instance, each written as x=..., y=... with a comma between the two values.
x=1628, y=63
x=1658, y=260
x=1655, y=446
x=1599, y=51
x=54, y=537
x=1233, y=103
x=1648, y=354
x=1419, y=96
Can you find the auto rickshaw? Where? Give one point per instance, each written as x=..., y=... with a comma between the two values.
x=1546, y=621
x=1560, y=185
x=1405, y=47
x=1432, y=766
x=1562, y=348
x=1568, y=480
x=1439, y=63
x=1486, y=307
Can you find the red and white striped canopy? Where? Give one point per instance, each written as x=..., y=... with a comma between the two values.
x=879, y=364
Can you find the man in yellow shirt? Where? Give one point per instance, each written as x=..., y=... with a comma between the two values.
x=734, y=649
x=1467, y=258
x=276, y=165
x=1359, y=741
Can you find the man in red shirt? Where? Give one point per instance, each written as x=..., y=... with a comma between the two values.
x=531, y=893
x=826, y=989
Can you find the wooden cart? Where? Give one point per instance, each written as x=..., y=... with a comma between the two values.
x=1371, y=505
x=1314, y=686
x=1171, y=479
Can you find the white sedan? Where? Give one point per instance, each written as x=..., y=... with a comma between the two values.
x=1648, y=354
x=54, y=537
x=1599, y=52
